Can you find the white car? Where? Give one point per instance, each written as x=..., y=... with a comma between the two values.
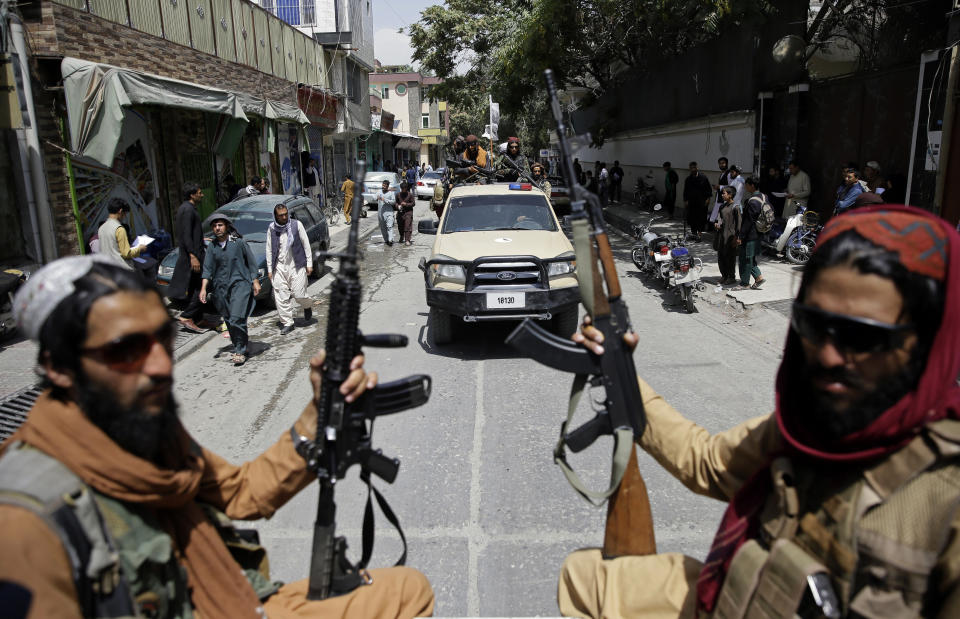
x=500, y=254
x=373, y=182
x=426, y=183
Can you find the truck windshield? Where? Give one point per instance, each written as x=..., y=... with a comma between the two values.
x=516, y=211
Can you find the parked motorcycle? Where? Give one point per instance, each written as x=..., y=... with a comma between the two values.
x=802, y=240
x=644, y=193
x=10, y=282
x=668, y=260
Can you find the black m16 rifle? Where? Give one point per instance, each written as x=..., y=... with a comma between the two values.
x=629, y=528
x=344, y=429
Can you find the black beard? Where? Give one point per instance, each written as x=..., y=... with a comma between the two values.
x=833, y=424
x=133, y=429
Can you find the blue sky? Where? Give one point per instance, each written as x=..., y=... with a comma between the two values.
x=388, y=16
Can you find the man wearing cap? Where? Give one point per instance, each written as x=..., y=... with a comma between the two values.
x=539, y=176
x=873, y=178
x=230, y=272
x=474, y=154
x=512, y=163
x=846, y=499
x=289, y=263
x=109, y=508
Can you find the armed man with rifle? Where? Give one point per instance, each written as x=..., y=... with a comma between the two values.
x=109, y=508
x=512, y=164
x=844, y=501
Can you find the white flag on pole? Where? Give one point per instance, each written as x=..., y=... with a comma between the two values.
x=494, y=119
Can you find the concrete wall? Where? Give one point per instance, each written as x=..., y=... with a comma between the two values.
x=703, y=140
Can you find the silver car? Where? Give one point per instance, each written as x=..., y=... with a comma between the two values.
x=426, y=183
x=373, y=182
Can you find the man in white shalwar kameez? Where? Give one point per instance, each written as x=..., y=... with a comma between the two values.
x=289, y=262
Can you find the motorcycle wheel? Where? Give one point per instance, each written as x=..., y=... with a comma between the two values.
x=637, y=256
x=800, y=253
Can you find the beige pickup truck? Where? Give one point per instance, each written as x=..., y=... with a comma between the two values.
x=500, y=254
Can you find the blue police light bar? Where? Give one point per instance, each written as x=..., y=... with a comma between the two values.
x=521, y=186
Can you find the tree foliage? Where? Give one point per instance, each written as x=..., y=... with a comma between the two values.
x=502, y=48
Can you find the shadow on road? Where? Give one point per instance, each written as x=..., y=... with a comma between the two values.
x=471, y=341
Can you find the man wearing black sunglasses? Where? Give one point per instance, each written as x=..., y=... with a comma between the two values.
x=109, y=508
x=846, y=500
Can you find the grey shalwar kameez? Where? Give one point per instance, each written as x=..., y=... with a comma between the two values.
x=231, y=270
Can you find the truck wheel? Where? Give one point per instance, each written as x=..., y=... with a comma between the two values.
x=565, y=322
x=441, y=326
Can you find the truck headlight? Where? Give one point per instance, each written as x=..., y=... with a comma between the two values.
x=565, y=267
x=449, y=272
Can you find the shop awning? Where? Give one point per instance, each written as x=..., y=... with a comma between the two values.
x=97, y=94
x=407, y=141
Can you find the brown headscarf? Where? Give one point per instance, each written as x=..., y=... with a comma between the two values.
x=218, y=586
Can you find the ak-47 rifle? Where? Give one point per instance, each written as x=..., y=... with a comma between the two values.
x=629, y=529
x=344, y=429
x=521, y=172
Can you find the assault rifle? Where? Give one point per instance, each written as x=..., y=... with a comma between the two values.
x=629, y=529
x=343, y=436
x=523, y=173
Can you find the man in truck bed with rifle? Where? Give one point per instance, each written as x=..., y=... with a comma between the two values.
x=845, y=501
x=108, y=508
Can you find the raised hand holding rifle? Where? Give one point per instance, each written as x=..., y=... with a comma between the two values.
x=346, y=407
x=629, y=529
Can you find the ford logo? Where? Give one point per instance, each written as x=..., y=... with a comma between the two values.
x=506, y=276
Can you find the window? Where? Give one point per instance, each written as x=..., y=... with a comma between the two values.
x=386, y=92
x=401, y=89
x=424, y=120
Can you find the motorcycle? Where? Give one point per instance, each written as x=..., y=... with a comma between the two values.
x=10, y=282
x=644, y=193
x=668, y=260
x=803, y=239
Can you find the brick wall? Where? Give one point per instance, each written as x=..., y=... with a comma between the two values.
x=57, y=30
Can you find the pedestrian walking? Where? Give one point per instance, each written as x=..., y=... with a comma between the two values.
x=670, y=182
x=230, y=274
x=696, y=194
x=111, y=508
x=386, y=212
x=616, y=181
x=406, y=200
x=347, y=188
x=723, y=163
x=186, y=280
x=578, y=172
x=748, y=240
x=289, y=264
x=728, y=224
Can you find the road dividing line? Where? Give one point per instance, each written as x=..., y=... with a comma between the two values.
x=475, y=542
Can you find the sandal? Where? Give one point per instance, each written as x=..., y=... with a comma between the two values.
x=239, y=359
x=756, y=285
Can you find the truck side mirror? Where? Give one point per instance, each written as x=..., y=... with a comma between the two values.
x=427, y=226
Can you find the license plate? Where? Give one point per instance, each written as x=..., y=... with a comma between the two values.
x=499, y=300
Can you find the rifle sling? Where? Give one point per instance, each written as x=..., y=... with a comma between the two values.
x=368, y=523
x=623, y=443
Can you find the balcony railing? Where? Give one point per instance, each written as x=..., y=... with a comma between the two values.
x=234, y=30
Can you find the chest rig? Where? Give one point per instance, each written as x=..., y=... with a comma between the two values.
x=877, y=534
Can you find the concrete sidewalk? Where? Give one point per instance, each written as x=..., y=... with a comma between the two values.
x=782, y=279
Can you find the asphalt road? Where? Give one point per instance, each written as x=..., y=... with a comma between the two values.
x=487, y=514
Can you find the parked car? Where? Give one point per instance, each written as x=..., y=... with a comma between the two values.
x=426, y=183
x=500, y=254
x=373, y=182
x=251, y=216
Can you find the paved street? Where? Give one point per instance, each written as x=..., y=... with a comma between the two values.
x=487, y=515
